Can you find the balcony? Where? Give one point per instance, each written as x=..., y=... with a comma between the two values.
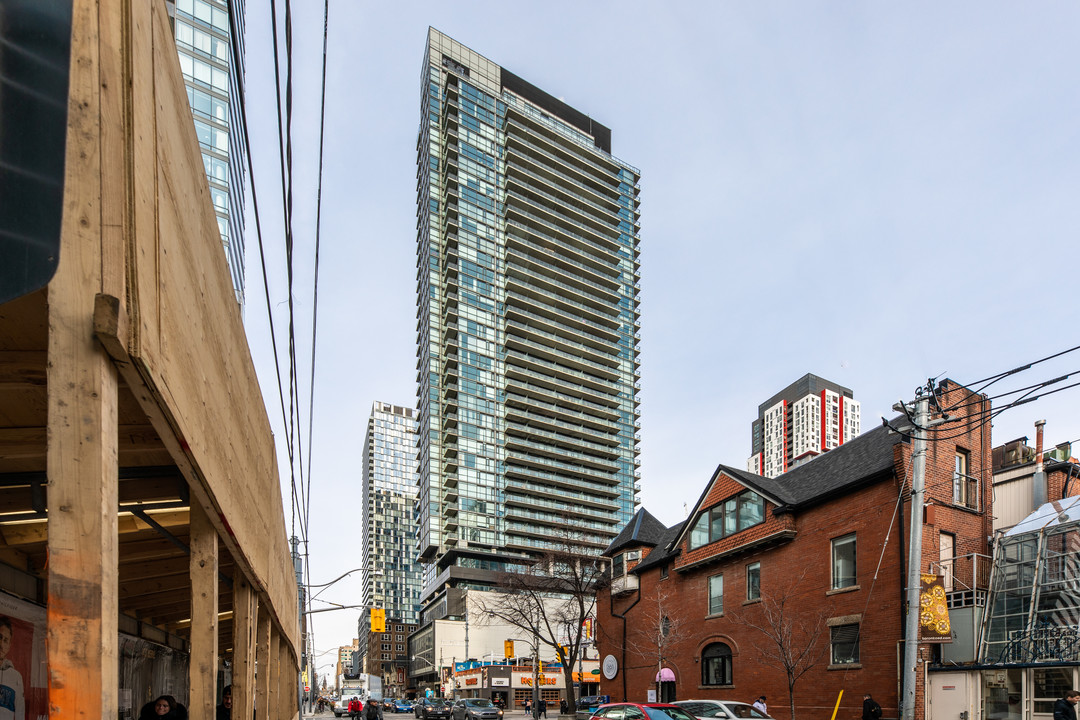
x=624, y=584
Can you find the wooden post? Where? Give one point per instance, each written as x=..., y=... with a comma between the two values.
x=81, y=457
x=202, y=666
x=244, y=638
x=262, y=654
x=289, y=679
x=273, y=709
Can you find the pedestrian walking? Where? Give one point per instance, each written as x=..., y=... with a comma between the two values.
x=1065, y=708
x=543, y=709
x=563, y=707
x=760, y=705
x=871, y=710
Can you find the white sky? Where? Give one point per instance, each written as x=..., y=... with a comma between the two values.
x=873, y=193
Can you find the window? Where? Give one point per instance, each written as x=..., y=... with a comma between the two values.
x=663, y=571
x=753, y=581
x=965, y=487
x=716, y=665
x=845, y=644
x=727, y=518
x=716, y=595
x=946, y=545
x=843, y=562
x=618, y=566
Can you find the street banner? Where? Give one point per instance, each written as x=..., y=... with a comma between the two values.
x=934, y=623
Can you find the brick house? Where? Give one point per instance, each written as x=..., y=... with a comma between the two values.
x=826, y=544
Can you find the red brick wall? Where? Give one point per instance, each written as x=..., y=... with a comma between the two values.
x=800, y=569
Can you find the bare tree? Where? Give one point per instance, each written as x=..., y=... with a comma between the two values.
x=550, y=602
x=654, y=633
x=791, y=639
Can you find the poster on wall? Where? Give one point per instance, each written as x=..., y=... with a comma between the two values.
x=23, y=687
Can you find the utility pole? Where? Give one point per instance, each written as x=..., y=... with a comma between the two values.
x=921, y=422
x=536, y=676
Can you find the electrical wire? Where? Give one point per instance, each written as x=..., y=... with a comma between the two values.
x=315, y=286
x=1002, y=375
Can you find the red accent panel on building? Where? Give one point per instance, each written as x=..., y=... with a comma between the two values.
x=840, y=422
x=824, y=427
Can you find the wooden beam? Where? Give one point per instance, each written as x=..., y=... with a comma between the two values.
x=81, y=452
x=262, y=659
x=28, y=443
x=203, y=663
x=245, y=611
x=22, y=369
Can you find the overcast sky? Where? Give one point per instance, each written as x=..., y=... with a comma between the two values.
x=871, y=192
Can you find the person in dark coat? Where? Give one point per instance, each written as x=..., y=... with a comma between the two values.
x=1065, y=708
x=224, y=710
x=870, y=708
x=543, y=708
x=164, y=707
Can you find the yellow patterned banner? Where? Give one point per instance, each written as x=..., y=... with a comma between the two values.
x=934, y=623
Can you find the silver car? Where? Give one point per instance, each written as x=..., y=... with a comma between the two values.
x=727, y=709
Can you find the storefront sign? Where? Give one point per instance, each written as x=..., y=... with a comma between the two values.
x=542, y=680
x=500, y=682
x=472, y=681
x=611, y=667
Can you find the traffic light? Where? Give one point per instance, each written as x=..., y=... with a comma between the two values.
x=378, y=620
x=508, y=649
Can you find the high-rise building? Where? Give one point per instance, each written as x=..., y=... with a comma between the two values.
x=527, y=357
x=210, y=43
x=390, y=578
x=808, y=417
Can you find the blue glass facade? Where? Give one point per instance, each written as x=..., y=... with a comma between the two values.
x=213, y=70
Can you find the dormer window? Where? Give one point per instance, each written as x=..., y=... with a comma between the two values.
x=727, y=518
x=621, y=562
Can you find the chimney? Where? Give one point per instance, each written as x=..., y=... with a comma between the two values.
x=1039, y=491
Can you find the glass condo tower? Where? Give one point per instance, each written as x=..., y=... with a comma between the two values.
x=528, y=325
x=210, y=44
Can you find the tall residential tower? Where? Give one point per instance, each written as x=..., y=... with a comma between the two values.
x=391, y=581
x=810, y=416
x=527, y=357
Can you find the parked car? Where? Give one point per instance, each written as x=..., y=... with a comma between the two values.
x=587, y=705
x=430, y=709
x=726, y=709
x=475, y=709
x=641, y=711
x=402, y=706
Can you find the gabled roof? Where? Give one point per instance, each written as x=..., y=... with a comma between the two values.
x=837, y=471
x=643, y=529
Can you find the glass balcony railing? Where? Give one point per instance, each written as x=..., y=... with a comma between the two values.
x=539, y=302
x=608, y=451
x=528, y=334
x=528, y=394
x=584, y=378
x=590, y=276
x=514, y=103
x=601, y=221
x=598, y=342
x=517, y=160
